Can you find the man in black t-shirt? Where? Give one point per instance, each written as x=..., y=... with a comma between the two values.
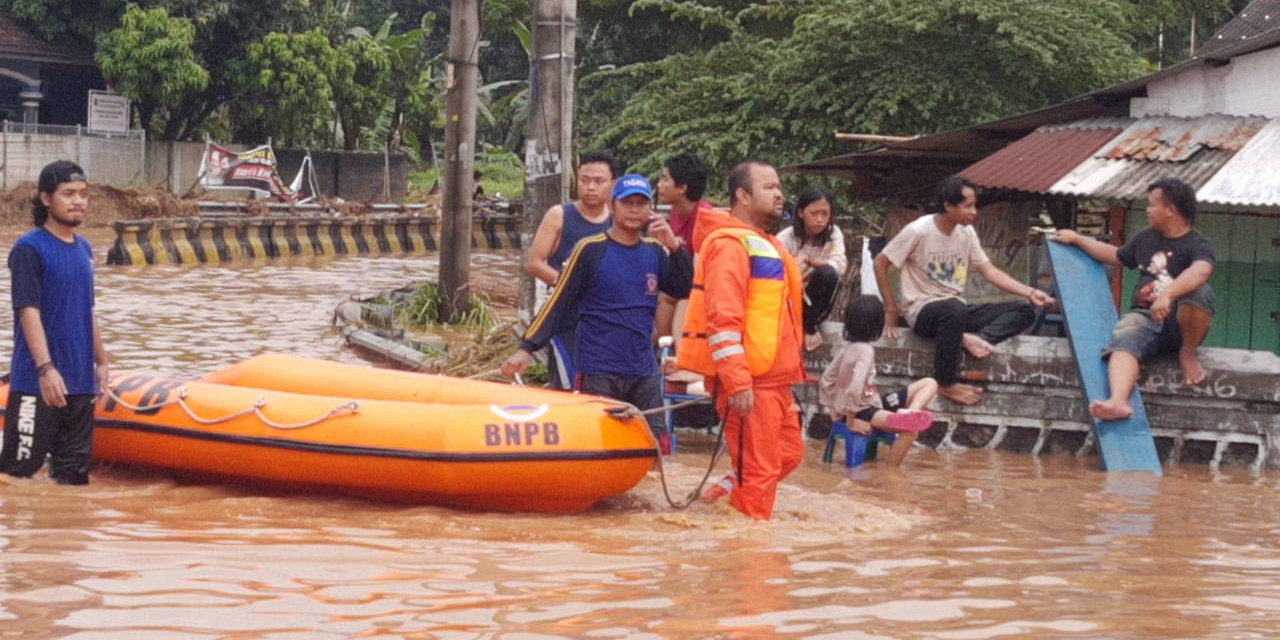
x=1172, y=302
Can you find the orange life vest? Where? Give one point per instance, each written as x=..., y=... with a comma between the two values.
x=770, y=286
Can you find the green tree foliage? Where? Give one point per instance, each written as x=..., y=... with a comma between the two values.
x=150, y=61
x=61, y=20
x=290, y=90
x=363, y=67
x=414, y=101
x=723, y=78
x=223, y=30
x=870, y=66
x=898, y=66
x=1161, y=30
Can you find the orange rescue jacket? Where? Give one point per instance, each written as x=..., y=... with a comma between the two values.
x=743, y=325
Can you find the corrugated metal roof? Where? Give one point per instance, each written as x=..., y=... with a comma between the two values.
x=1192, y=149
x=1128, y=180
x=1171, y=139
x=1037, y=161
x=1260, y=17
x=1250, y=178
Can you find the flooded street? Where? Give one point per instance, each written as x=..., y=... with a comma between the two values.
x=962, y=544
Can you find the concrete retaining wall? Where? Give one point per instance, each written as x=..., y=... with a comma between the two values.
x=1033, y=401
x=339, y=174
x=219, y=240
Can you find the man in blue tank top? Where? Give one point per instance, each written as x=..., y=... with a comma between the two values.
x=59, y=364
x=609, y=292
x=561, y=228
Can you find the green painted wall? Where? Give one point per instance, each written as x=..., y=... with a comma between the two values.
x=1246, y=279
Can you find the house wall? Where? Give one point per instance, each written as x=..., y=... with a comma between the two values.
x=1246, y=86
x=1034, y=403
x=1003, y=230
x=1246, y=277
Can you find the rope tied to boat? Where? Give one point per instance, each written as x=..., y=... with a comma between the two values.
x=351, y=407
x=624, y=410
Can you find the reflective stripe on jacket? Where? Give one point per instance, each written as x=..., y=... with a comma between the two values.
x=741, y=344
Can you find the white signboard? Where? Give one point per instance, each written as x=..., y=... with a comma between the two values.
x=108, y=112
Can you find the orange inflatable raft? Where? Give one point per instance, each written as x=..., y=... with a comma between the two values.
x=313, y=425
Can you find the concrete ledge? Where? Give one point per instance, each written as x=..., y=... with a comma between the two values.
x=1033, y=401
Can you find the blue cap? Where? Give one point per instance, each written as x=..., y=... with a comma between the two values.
x=631, y=184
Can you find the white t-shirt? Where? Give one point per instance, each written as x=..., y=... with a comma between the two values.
x=831, y=252
x=934, y=266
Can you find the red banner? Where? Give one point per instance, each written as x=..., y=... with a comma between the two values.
x=222, y=168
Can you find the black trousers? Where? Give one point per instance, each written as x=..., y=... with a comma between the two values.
x=34, y=430
x=946, y=321
x=820, y=295
x=643, y=393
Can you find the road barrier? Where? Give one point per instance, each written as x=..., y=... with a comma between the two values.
x=220, y=240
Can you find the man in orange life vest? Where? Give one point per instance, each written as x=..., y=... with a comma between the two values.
x=743, y=329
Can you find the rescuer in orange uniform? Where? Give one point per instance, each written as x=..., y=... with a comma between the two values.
x=744, y=329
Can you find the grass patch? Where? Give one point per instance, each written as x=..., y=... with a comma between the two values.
x=423, y=306
x=502, y=172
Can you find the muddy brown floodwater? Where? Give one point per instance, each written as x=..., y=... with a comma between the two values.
x=963, y=544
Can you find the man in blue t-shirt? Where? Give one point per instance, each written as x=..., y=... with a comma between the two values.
x=561, y=228
x=1172, y=302
x=609, y=292
x=59, y=364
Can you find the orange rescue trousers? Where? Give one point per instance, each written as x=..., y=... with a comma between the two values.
x=765, y=447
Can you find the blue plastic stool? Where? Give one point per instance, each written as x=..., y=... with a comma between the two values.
x=665, y=343
x=857, y=447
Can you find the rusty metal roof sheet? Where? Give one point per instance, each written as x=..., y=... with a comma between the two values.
x=1251, y=177
x=1192, y=149
x=1173, y=139
x=1126, y=180
x=1040, y=159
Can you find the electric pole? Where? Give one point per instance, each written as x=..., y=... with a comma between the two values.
x=460, y=158
x=548, y=156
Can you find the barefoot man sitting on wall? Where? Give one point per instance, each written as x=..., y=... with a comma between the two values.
x=935, y=254
x=1172, y=302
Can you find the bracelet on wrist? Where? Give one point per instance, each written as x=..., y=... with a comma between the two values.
x=44, y=368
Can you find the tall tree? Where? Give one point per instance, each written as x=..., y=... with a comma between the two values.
x=414, y=104
x=150, y=61
x=290, y=75
x=873, y=66
x=362, y=68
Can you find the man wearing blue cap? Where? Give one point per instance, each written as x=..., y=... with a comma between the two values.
x=609, y=290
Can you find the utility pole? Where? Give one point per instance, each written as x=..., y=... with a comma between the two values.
x=548, y=155
x=460, y=157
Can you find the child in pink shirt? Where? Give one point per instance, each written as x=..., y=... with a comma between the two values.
x=849, y=391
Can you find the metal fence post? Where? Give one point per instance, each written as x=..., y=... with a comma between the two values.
x=79, y=153
x=5, y=165
x=142, y=135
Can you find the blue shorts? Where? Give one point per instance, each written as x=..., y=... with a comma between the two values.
x=1138, y=334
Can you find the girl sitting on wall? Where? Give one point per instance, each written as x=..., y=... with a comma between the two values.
x=818, y=247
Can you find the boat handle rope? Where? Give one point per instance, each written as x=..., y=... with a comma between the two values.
x=352, y=407
x=697, y=491
x=624, y=410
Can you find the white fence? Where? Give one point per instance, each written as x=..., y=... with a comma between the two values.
x=116, y=159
